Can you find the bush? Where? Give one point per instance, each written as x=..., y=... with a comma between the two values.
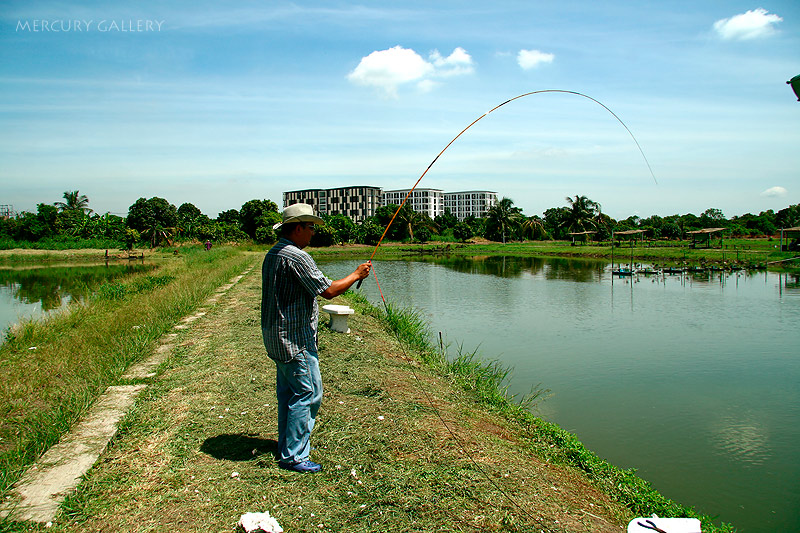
x=462, y=231
x=423, y=234
x=369, y=233
x=323, y=236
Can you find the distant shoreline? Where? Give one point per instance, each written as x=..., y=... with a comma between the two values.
x=751, y=253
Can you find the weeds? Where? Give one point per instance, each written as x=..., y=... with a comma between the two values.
x=118, y=291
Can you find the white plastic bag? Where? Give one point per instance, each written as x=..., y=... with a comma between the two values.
x=259, y=522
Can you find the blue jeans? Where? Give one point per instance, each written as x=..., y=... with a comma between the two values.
x=299, y=391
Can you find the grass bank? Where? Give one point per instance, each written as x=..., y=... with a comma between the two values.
x=54, y=368
x=24, y=256
x=409, y=442
x=484, y=380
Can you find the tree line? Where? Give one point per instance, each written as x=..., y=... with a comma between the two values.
x=156, y=222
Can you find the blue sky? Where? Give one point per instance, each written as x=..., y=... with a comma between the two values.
x=217, y=103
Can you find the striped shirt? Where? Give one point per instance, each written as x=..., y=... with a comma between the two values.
x=291, y=282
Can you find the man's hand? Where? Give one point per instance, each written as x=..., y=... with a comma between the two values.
x=363, y=270
x=341, y=285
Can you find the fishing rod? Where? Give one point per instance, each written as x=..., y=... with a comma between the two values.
x=540, y=523
x=543, y=91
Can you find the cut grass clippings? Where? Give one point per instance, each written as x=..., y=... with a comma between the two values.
x=406, y=439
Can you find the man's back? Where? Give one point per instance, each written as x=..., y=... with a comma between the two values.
x=289, y=315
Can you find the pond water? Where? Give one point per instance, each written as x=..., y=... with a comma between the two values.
x=30, y=292
x=690, y=379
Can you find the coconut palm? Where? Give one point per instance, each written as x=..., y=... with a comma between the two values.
x=582, y=214
x=533, y=227
x=502, y=219
x=411, y=220
x=156, y=234
x=74, y=202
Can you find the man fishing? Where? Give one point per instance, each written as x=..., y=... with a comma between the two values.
x=291, y=281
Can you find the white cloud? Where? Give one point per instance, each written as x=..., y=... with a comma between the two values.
x=387, y=70
x=751, y=25
x=775, y=192
x=529, y=59
x=456, y=64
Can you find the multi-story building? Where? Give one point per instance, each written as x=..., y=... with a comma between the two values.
x=360, y=202
x=469, y=203
x=356, y=202
x=428, y=201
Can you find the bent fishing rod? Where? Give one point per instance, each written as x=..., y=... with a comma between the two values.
x=540, y=523
x=543, y=91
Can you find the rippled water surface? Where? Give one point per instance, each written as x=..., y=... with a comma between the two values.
x=692, y=380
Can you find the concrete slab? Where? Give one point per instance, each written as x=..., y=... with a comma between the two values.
x=147, y=369
x=40, y=491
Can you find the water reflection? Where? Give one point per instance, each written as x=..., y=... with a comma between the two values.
x=31, y=292
x=592, y=270
x=516, y=267
x=51, y=286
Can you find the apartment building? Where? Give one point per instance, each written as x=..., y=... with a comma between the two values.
x=469, y=203
x=428, y=201
x=357, y=202
x=360, y=202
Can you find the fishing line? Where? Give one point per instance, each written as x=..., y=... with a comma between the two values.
x=543, y=91
x=389, y=312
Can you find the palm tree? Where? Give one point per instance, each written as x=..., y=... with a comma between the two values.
x=410, y=220
x=74, y=202
x=503, y=218
x=533, y=227
x=582, y=214
x=156, y=233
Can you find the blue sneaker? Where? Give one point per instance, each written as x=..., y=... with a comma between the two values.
x=304, y=467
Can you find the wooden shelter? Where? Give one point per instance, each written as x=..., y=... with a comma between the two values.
x=631, y=235
x=702, y=235
x=582, y=236
x=789, y=232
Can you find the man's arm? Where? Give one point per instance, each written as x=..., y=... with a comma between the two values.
x=340, y=285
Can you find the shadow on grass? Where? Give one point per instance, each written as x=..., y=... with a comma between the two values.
x=238, y=447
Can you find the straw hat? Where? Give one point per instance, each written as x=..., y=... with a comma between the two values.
x=298, y=213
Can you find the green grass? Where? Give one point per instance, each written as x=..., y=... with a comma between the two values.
x=388, y=466
x=54, y=368
x=410, y=440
